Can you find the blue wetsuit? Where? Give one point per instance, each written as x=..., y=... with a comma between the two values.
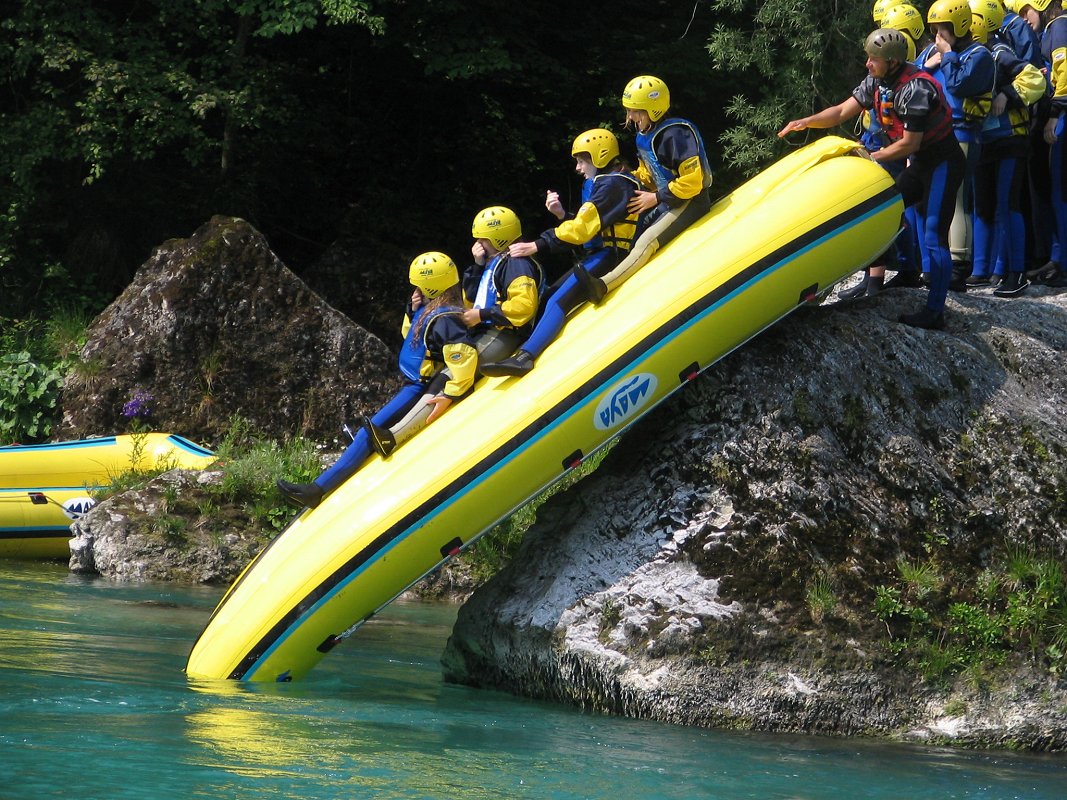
x=604, y=230
x=420, y=359
x=910, y=100
x=999, y=227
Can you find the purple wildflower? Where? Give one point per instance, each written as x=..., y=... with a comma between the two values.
x=139, y=406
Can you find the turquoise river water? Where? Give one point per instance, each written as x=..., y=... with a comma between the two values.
x=94, y=704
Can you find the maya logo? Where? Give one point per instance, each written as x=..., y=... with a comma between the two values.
x=624, y=400
x=77, y=507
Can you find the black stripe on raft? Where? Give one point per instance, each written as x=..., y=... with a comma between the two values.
x=34, y=533
x=592, y=385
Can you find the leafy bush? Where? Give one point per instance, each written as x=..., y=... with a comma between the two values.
x=28, y=394
x=1016, y=606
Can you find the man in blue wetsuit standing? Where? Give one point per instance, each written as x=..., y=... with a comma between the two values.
x=917, y=120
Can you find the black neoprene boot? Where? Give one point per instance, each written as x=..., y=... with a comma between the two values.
x=303, y=494
x=1013, y=284
x=593, y=288
x=930, y=320
x=516, y=366
x=381, y=439
x=859, y=290
x=905, y=279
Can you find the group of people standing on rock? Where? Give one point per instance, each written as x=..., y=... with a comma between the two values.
x=498, y=317
x=966, y=112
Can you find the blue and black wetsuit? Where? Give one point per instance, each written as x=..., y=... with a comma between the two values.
x=911, y=100
x=999, y=228
x=506, y=291
x=603, y=232
x=440, y=341
x=1054, y=53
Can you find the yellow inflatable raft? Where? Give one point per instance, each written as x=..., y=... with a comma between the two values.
x=777, y=242
x=43, y=487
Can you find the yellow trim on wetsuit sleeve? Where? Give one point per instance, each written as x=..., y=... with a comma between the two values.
x=1058, y=72
x=690, y=180
x=405, y=326
x=462, y=362
x=585, y=225
x=521, y=303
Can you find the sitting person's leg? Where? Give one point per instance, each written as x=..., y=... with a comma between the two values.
x=349, y=462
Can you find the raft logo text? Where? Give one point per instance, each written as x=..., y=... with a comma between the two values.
x=622, y=401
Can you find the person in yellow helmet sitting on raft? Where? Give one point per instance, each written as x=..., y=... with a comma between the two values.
x=674, y=168
x=602, y=231
x=501, y=289
x=439, y=362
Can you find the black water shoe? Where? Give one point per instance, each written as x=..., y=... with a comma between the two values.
x=1013, y=285
x=930, y=320
x=593, y=288
x=381, y=439
x=977, y=280
x=303, y=494
x=905, y=279
x=516, y=366
x=1043, y=273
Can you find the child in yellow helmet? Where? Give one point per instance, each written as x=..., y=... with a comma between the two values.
x=501, y=291
x=438, y=361
x=602, y=231
x=673, y=170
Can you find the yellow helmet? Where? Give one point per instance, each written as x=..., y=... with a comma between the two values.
x=1037, y=5
x=433, y=273
x=887, y=43
x=986, y=17
x=647, y=93
x=600, y=144
x=499, y=225
x=906, y=19
x=880, y=7
x=954, y=12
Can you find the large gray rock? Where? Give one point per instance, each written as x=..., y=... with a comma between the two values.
x=214, y=326
x=171, y=529
x=671, y=583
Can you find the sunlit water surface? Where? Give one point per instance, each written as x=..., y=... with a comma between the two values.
x=94, y=704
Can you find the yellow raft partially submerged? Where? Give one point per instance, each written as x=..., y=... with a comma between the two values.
x=43, y=487
x=779, y=241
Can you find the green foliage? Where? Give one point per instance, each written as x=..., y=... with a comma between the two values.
x=1016, y=606
x=28, y=395
x=820, y=598
x=251, y=464
x=786, y=59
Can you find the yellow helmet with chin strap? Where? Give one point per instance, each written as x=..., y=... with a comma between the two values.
x=647, y=93
x=986, y=17
x=953, y=12
x=880, y=8
x=499, y=225
x=599, y=144
x=906, y=19
x=433, y=273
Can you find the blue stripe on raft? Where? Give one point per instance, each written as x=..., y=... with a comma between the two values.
x=189, y=447
x=75, y=445
x=578, y=407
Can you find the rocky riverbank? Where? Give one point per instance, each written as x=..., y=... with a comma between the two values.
x=676, y=582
